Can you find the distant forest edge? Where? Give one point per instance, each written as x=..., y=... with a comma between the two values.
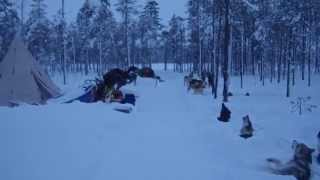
x=273, y=39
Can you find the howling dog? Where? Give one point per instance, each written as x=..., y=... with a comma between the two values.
x=299, y=166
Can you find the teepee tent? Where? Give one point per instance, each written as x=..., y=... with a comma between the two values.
x=22, y=80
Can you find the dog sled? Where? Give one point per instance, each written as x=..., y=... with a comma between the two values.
x=124, y=103
x=100, y=91
x=108, y=88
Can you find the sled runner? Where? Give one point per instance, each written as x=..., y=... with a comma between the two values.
x=123, y=108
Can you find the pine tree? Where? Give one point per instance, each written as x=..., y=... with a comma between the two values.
x=104, y=26
x=150, y=19
x=176, y=36
x=56, y=45
x=194, y=25
x=127, y=8
x=37, y=31
x=84, y=23
x=8, y=25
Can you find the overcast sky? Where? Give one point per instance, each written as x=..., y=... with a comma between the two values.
x=167, y=7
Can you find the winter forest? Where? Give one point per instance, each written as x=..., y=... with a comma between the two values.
x=275, y=40
x=119, y=93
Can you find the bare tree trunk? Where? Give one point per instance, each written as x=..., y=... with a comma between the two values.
x=22, y=14
x=241, y=59
x=100, y=57
x=271, y=63
x=288, y=78
x=127, y=37
x=253, y=59
x=285, y=59
x=230, y=49
x=87, y=63
x=64, y=45
x=199, y=39
x=213, y=49
x=226, y=52
x=218, y=57
x=165, y=58
x=294, y=56
x=289, y=47
x=309, y=60
x=280, y=60
x=304, y=54
x=74, y=54
x=262, y=69
x=317, y=64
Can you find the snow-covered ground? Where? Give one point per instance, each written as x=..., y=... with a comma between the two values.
x=171, y=135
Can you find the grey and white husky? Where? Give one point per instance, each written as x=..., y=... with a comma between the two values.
x=299, y=166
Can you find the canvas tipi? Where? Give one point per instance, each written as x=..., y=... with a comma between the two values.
x=22, y=80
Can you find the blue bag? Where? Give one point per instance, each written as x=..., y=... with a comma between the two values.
x=129, y=99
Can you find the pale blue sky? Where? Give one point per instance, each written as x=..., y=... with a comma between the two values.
x=167, y=7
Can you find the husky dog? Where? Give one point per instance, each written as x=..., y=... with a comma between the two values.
x=225, y=114
x=299, y=166
x=197, y=86
x=247, y=129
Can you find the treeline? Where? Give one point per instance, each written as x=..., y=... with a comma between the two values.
x=276, y=40
x=95, y=41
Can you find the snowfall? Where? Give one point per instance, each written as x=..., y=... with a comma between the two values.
x=171, y=134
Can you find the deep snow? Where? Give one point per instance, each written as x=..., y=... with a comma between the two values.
x=171, y=135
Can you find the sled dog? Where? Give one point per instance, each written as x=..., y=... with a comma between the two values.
x=299, y=166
